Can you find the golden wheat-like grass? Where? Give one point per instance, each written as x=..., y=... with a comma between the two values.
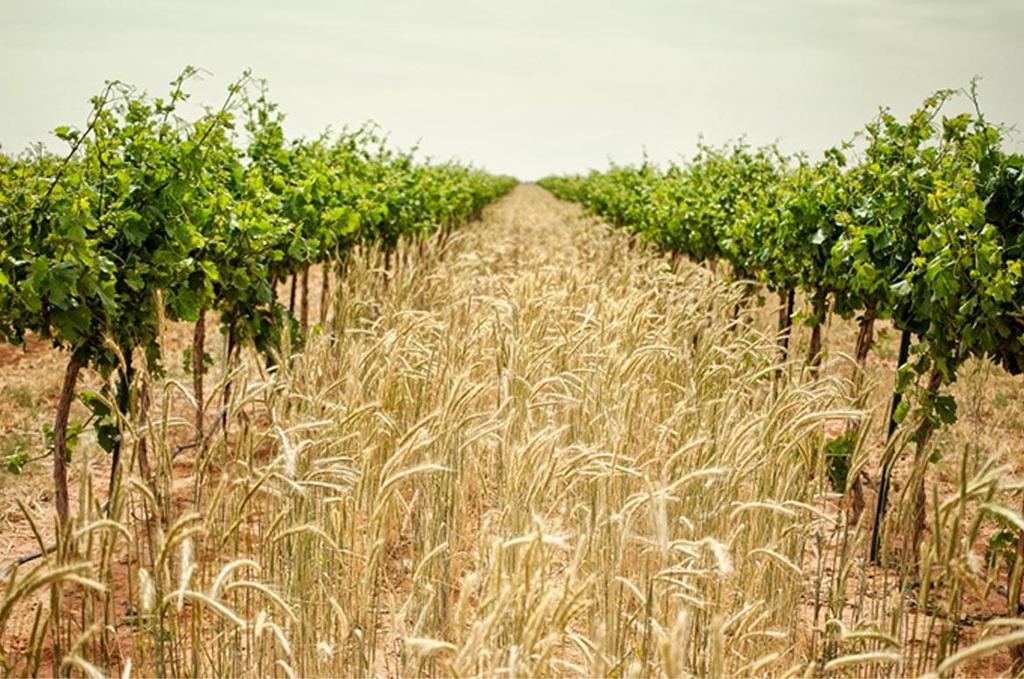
x=527, y=451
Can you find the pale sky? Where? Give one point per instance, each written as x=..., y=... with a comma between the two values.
x=530, y=87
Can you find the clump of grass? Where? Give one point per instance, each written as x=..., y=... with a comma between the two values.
x=20, y=395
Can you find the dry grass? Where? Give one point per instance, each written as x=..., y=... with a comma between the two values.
x=528, y=452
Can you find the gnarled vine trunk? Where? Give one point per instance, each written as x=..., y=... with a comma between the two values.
x=325, y=287
x=924, y=435
x=865, y=340
x=786, y=324
x=60, y=432
x=883, y=485
x=228, y=365
x=123, y=400
x=198, y=350
x=305, y=300
x=814, y=352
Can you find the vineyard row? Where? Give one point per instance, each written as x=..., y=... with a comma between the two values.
x=153, y=214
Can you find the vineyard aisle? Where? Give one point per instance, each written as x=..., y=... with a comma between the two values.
x=532, y=450
x=555, y=454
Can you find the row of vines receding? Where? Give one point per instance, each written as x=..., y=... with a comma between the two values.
x=918, y=222
x=163, y=210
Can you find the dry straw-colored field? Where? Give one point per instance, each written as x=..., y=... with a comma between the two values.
x=532, y=451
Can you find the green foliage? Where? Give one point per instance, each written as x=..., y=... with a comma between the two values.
x=920, y=221
x=153, y=215
x=103, y=416
x=74, y=430
x=838, y=454
x=14, y=454
x=1001, y=549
